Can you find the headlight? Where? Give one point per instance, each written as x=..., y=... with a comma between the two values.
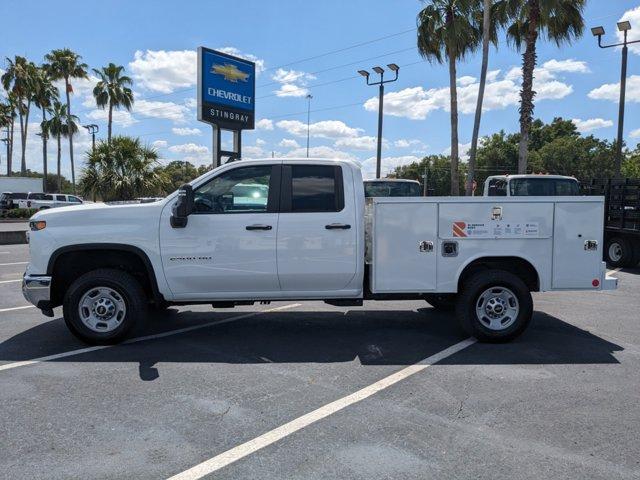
x=37, y=225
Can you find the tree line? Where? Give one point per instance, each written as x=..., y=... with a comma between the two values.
x=28, y=85
x=554, y=148
x=450, y=30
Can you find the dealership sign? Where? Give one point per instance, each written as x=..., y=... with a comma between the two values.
x=226, y=90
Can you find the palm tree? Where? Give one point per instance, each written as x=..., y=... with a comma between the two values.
x=65, y=64
x=446, y=31
x=112, y=90
x=7, y=121
x=44, y=94
x=488, y=34
x=560, y=21
x=19, y=78
x=58, y=126
x=122, y=170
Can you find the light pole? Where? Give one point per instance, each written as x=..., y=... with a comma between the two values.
x=309, y=97
x=92, y=129
x=379, y=70
x=8, y=142
x=624, y=27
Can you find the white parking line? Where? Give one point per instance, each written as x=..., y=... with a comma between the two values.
x=11, y=281
x=13, y=263
x=16, y=308
x=233, y=455
x=24, y=363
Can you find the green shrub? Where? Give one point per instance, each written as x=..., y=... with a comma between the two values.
x=19, y=213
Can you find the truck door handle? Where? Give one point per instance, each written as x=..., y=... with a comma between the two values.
x=258, y=227
x=337, y=226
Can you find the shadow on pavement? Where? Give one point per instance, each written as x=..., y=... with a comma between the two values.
x=374, y=337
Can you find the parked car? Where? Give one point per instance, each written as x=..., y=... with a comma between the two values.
x=204, y=244
x=44, y=201
x=530, y=186
x=392, y=187
x=9, y=200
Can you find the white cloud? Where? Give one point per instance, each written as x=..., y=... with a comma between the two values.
x=406, y=143
x=292, y=82
x=120, y=117
x=288, y=143
x=163, y=110
x=319, y=152
x=635, y=133
x=323, y=129
x=159, y=144
x=189, y=148
x=260, y=142
x=291, y=90
x=611, y=91
x=500, y=92
x=585, y=126
x=166, y=71
x=252, y=151
x=184, y=132
x=632, y=16
x=466, y=80
x=360, y=143
x=264, y=124
x=388, y=164
x=463, y=151
x=190, y=103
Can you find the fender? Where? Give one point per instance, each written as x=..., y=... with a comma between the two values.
x=111, y=246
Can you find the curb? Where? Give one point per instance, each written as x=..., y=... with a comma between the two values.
x=13, y=238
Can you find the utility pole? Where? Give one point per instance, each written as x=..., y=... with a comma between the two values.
x=92, y=129
x=309, y=97
x=379, y=70
x=624, y=27
x=424, y=181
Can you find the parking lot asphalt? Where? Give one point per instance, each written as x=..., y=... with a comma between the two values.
x=307, y=390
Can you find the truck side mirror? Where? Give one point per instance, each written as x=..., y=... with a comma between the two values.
x=183, y=207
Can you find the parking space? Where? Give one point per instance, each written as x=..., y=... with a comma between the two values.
x=306, y=390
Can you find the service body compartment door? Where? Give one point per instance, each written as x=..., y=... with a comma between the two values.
x=575, y=262
x=404, y=247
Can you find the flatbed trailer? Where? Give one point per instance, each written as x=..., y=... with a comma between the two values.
x=621, y=219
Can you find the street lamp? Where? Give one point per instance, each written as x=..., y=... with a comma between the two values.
x=92, y=129
x=8, y=142
x=309, y=97
x=624, y=27
x=379, y=70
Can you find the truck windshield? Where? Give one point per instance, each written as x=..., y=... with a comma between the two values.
x=392, y=189
x=543, y=187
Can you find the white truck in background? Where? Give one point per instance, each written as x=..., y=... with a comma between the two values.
x=294, y=229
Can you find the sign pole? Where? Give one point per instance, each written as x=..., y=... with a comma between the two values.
x=215, y=146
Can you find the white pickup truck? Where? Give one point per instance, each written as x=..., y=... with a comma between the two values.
x=295, y=230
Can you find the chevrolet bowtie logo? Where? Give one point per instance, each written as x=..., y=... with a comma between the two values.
x=230, y=72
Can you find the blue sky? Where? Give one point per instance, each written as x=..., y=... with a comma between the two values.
x=314, y=47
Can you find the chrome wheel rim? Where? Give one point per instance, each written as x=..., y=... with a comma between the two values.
x=615, y=252
x=497, y=308
x=102, y=309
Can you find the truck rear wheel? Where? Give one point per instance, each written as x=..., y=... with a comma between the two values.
x=494, y=306
x=101, y=307
x=620, y=253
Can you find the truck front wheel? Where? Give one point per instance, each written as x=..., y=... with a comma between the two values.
x=102, y=306
x=494, y=306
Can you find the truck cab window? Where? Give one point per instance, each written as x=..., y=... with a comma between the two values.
x=316, y=188
x=497, y=188
x=241, y=190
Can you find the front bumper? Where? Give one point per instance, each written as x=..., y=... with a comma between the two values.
x=37, y=290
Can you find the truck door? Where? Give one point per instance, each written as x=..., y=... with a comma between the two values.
x=228, y=247
x=575, y=264
x=317, y=230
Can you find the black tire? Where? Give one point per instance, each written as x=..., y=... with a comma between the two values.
x=124, y=285
x=470, y=297
x=445, y=302
x=620, y=253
